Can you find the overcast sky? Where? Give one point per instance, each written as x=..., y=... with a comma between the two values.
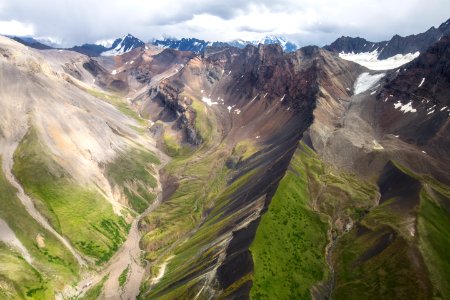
x=303, y=21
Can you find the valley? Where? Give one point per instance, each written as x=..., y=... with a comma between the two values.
x=249, y=172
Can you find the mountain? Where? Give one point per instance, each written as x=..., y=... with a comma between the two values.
x=286, y=45
x=395, y=52
x=90, y=49
x=184, y=44
x=123, y=45
x=60, y=128
x=118, y=47
x=238, y=173
x=199, y=46
x=31, y=42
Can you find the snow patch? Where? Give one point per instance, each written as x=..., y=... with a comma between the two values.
x=423, y=80
x=254, y=99
x=405, y=107
x=365, y=81
x=370, y=59
x=208, y=101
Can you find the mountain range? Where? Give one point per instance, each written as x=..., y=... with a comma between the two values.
x=183, y=169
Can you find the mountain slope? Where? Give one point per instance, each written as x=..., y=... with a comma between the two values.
x=30, y=42
x=62, y=148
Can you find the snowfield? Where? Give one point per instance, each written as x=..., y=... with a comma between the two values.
x=370, y=60
x=365, y=81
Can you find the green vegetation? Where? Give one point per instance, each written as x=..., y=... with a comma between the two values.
x=132, y=172
x=245, y=149
x=434, y=236
x=205, y=125
x=54, y=265
x=173, y=147
x=288, y=250
x=181, y=227
x=375, y=265
x=289, y=247
x=123, y=276
x=379, y=258
x=76, y=211
x=18, y=279
x=94, y=292
x=119, y=102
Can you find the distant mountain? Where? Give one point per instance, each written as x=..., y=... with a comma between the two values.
x=123, y=45
x=30, y=42
x=271, y=39
x=396, y=45
x=184, y=44
x=198, y=46
x=90, y=49
x=119, y=46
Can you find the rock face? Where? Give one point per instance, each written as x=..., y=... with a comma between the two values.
x=415, y=105
x=396, y=45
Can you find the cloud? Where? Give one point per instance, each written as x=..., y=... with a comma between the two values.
x=14, y=27
x=306, y=21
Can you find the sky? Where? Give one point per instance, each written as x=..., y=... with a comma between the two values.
x=305, y=22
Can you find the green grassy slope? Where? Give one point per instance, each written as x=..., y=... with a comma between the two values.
x=289, y=247
x=132, y=172
x=374, y=261
x=54, y=265
x=398, y=254
x=76, y=211
x=434, y=238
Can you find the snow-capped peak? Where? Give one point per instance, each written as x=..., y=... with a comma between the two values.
x=267, y=40
x=123, y=45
